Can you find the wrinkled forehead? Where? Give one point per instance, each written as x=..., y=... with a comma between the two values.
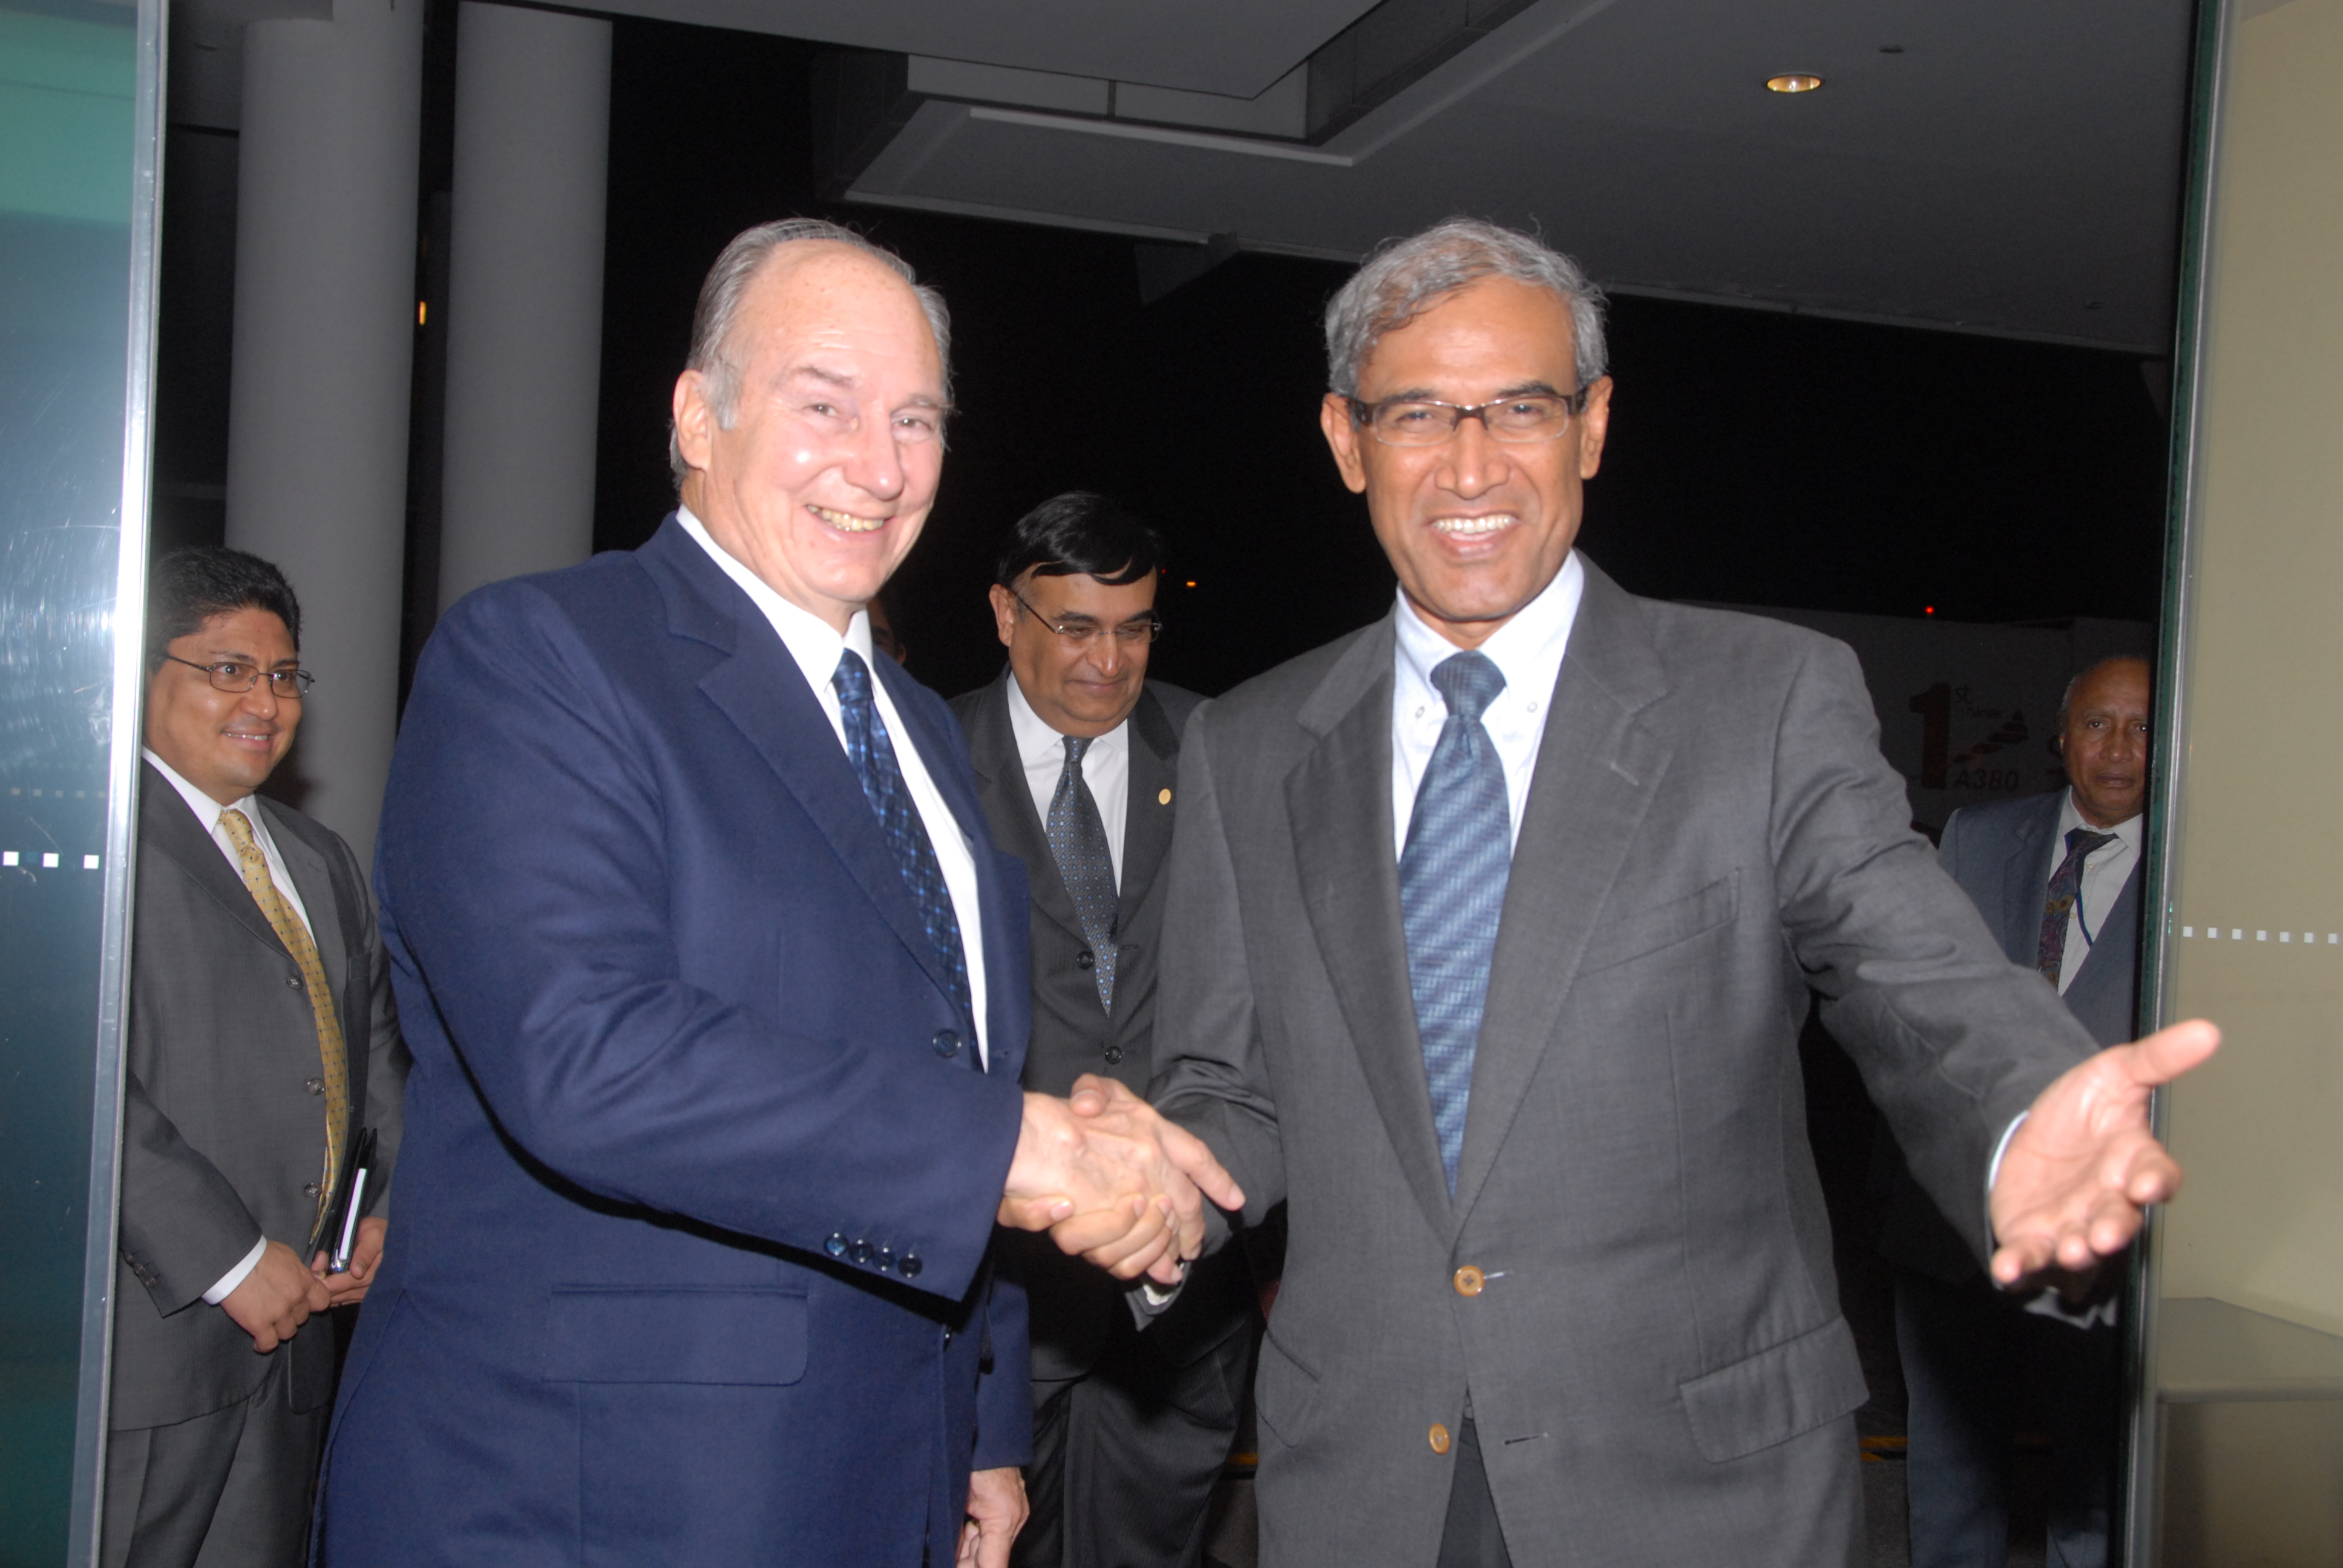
x=816, y=297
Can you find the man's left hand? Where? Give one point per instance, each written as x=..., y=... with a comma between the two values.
x=2077, y=1175
x=996, y=1512
x=350, y=1287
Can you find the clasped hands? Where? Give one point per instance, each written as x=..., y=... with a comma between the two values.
x=279, y=1295
x=1112, y=1182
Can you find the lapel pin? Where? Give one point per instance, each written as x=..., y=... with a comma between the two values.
x=1163, y=797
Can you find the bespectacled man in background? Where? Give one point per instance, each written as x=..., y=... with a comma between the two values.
x=1076, y=753
x=263, y=1042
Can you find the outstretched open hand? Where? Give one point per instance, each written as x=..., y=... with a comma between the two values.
x=2077, y=1175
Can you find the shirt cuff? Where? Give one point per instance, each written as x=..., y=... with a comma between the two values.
x=236, y=1276
x=1993, y=1173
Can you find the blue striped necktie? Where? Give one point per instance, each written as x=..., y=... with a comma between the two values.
x=1452, y=890
x=873, y=756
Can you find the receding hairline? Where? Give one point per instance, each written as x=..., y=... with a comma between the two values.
x=787, y=260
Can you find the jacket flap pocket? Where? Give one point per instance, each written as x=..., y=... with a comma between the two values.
x=1285, y=1392
x=1775, y=1394
x=596, y=1333
x=1663, y=926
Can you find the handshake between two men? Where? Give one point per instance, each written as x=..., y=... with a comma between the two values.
x=1112, y=1182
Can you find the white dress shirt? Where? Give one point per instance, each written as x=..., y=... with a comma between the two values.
x=816, y=646
x=1527, y=650
x=2105, y=871
x=207, y=812
x=1106, y=769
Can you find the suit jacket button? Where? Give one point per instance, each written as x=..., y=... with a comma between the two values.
x=313, y=1085
x=1114, y=1054
x=292, y=983
x=886, y=1259
x=859, y=1252
x=836, y=1244
x=1085, y=959
x=1469, y=1280
x=1439, y=1438
x=908, y=1266
x=946, y=1042
x=309, y=1188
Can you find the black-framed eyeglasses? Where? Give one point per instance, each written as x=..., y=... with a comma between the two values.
x=1084, y=633
x=1428, y=422
x=237, y=678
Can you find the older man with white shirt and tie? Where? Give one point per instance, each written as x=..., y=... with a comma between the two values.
x=2055, y=877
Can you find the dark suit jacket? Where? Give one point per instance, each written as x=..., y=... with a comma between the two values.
x=1072, y=1304
x=2002, y=854
x=224, y=1125
x=699, y=1186
x=1652, y=1344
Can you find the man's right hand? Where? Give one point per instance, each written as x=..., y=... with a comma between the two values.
x=275, y=1298
x=1115, y=1183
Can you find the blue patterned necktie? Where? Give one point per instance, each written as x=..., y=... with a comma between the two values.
x=1077, y=842
x=2065, y=888
x=873, y=756
x=1451, y=889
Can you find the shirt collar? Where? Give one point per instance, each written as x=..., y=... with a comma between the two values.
x=1527, y=650
x=2071, y=817
x=207, y=809
x=812, y=641
x=1037, y=741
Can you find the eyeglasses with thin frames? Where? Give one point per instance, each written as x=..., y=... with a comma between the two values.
x=1428, y=422
x=1084, y=633
x=238, y=678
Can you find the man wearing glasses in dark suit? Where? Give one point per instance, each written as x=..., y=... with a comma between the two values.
x=1076, y=752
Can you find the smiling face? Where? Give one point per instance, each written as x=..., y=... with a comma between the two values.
x=1475, y=529
x=2104, y=742
x=224, y=743
x=1084, y=687
x=827, y=472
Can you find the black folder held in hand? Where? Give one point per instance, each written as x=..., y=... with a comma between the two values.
x=337, y=1228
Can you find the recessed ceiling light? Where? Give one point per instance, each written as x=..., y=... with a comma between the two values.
x=1794, y=82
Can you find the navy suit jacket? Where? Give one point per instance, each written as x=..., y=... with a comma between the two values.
x=690, y=1257
x=2002, y=854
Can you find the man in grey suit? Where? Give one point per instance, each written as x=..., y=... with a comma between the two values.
x=1076, y=755
x=2055, y=878
x=1490, y=935
x=262, y=1043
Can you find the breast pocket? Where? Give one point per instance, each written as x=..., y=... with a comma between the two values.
x=1643, y=932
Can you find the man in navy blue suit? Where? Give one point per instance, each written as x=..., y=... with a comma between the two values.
x=719, y=990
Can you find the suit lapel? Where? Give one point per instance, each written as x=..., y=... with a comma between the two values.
x=1338, y=801
x=170, y=828
x=1598, y=767
x=1147, y=812
x=2025, y=880
x=1001, y=776
x=759, y=686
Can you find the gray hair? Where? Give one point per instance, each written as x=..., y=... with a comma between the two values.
x=727, y=286
x=2074, y=682
x=1405, y=277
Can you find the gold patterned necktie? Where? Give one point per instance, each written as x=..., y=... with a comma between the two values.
x=296, y=937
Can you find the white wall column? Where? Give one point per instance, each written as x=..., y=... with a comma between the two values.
x=525, y=293
x=324, y=338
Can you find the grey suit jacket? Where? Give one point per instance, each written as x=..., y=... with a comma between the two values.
x=2002, y=854
x=224, y=1125
x=1650, y=1347
x=1072, y=1304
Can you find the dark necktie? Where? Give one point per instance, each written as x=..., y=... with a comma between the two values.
x=2065, y=887
x=1451, y=889
x=873, y=756
x=1077, y=840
